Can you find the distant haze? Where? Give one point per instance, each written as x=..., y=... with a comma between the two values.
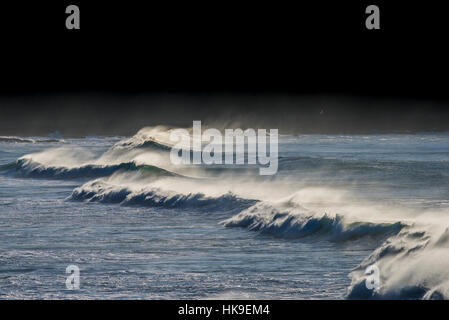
x=108, y=114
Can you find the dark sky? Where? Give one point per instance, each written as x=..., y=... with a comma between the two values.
x=135, y=61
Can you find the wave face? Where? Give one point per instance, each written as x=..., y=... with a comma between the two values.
x=102, y=191
x=288, y=220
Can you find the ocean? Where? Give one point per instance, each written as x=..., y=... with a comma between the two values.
x=139, y=227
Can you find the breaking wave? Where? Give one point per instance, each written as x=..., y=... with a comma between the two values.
x=148, y=137
x=142, y=152
x=414, y=264
x=30, y=169
x=412, y=253
x=102, y=191
x=295, y=221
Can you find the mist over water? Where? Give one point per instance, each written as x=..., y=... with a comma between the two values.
x=140, y=227
x=84, y=114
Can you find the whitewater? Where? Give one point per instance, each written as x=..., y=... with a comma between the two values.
x=140, y=227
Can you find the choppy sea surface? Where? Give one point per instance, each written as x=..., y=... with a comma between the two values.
x=139, y=227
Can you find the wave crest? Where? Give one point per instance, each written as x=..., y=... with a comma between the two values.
x=31, y=169
x=293, y=221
